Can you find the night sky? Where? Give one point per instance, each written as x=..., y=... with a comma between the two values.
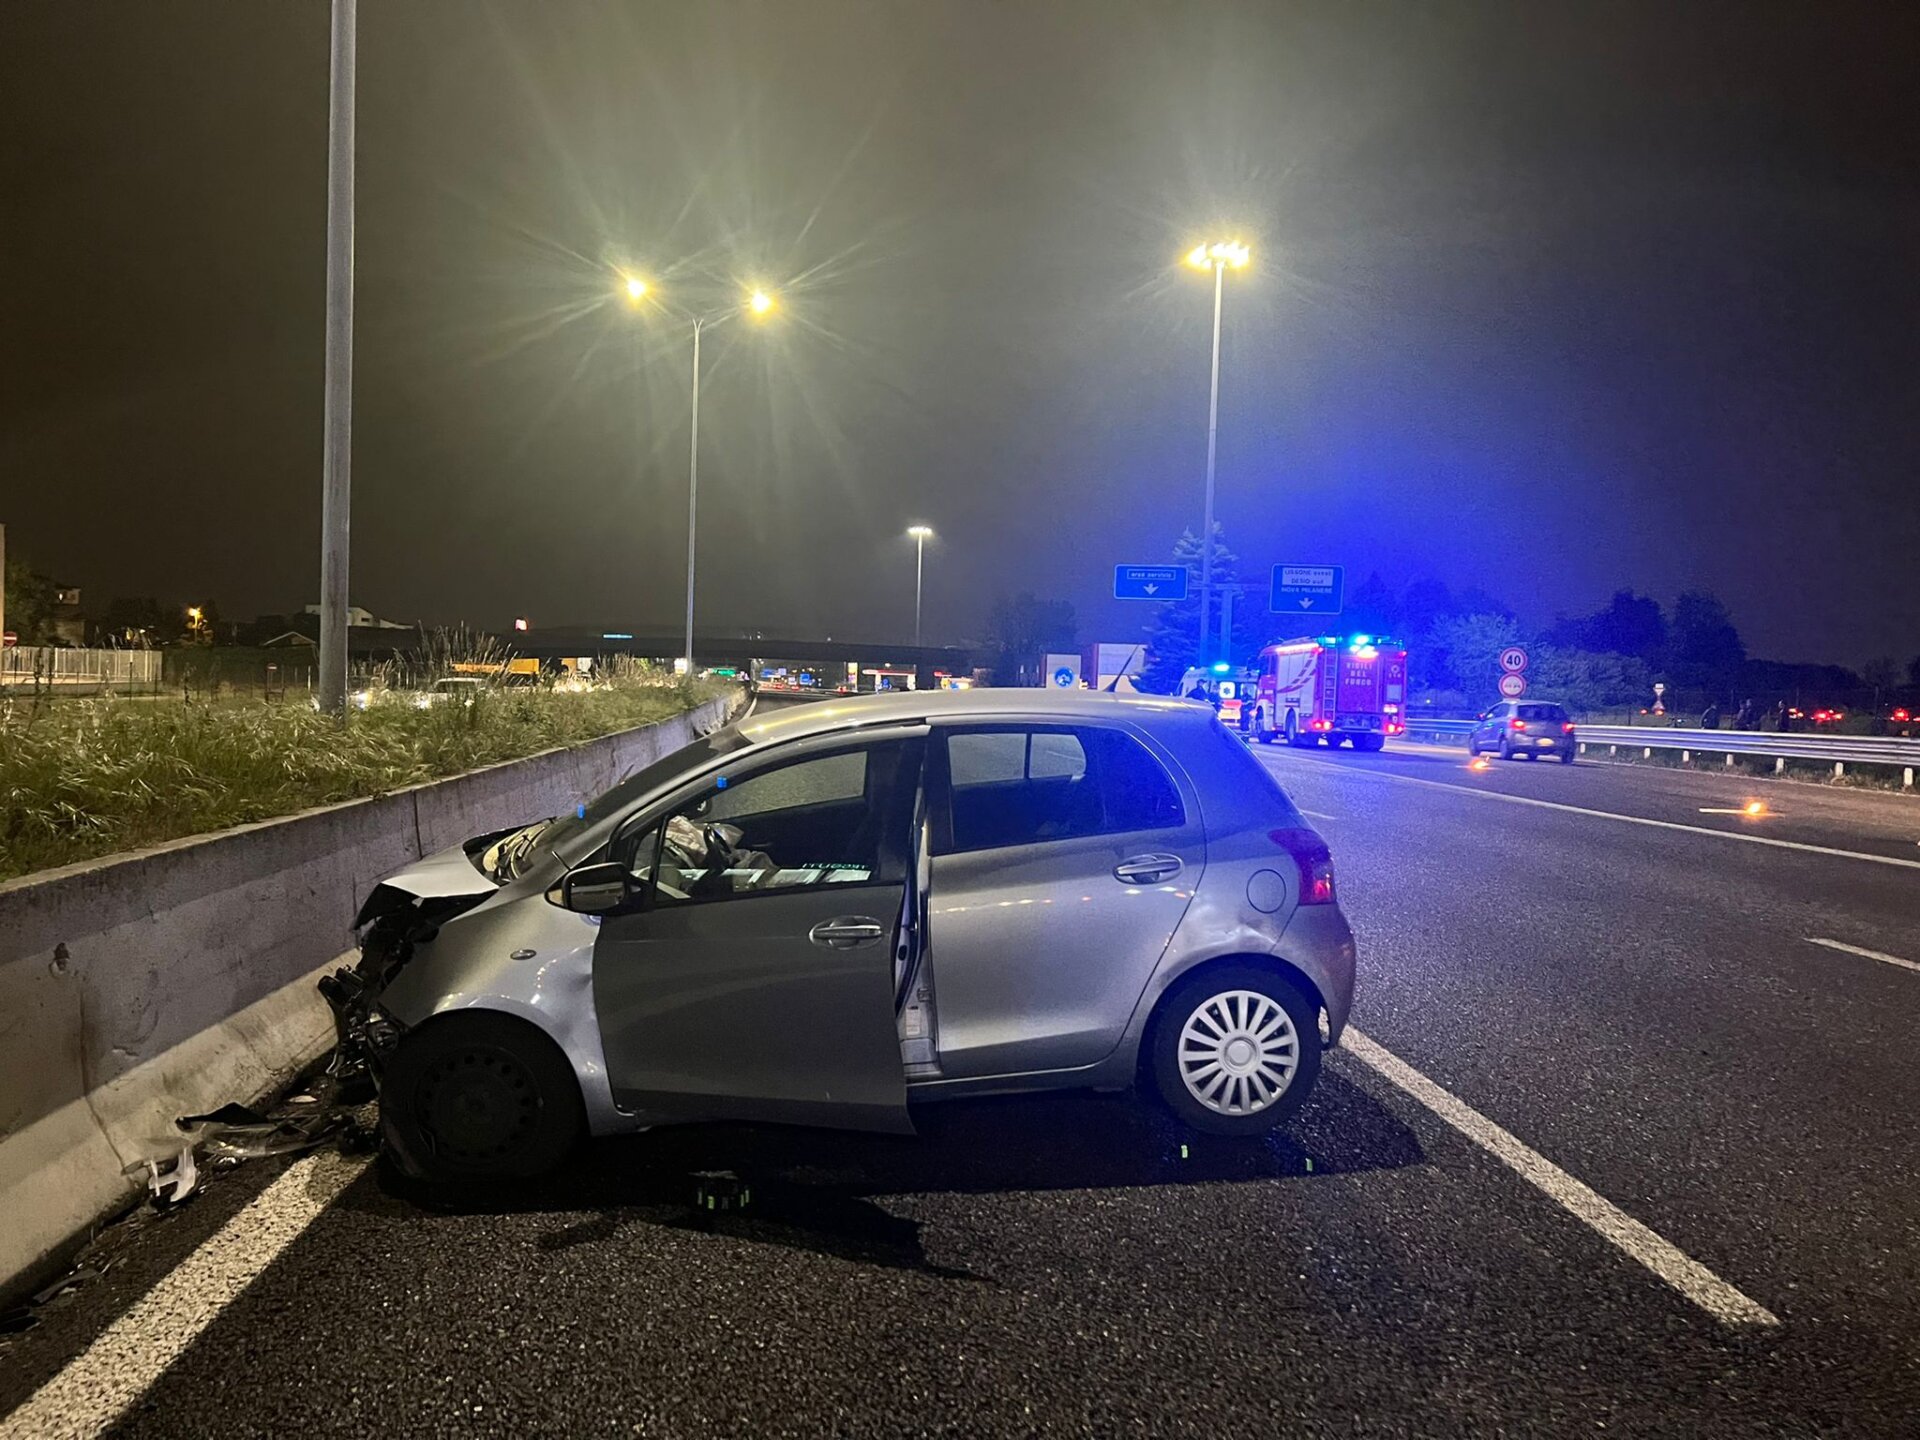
x=1548, y=298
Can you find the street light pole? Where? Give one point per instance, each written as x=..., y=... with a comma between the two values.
x=693, y=489
x=757, y=303
x=336, y=493
x=921, y=534
x=1213, y=427
x=1215, y=257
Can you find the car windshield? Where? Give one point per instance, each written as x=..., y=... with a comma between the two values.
x=662, y=772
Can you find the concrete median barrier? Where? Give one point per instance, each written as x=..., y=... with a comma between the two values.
x=168, y=981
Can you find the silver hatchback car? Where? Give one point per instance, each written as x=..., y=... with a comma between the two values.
x=829, y=913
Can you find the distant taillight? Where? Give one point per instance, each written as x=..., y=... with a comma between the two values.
x=1314, y=860
x=1567, y=729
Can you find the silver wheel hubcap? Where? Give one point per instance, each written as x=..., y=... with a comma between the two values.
x=1238, y=1053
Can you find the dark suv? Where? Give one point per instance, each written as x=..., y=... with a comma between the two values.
x=1525, y=727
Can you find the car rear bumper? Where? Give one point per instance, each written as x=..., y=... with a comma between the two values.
x=1319, y=942
x=1541, y=744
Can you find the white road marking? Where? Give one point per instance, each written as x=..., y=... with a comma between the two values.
x=1666, y=1260
x=1318, y=815
x=1631, y=819
x=1869, y=954
x=112, y=1373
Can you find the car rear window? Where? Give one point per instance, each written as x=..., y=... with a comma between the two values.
x=1021, y=785
x=1541, y=712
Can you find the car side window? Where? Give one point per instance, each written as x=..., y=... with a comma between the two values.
x=841, y=818
x=1021, y=785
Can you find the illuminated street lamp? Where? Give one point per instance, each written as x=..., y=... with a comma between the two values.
x=919, y=534
x=758, y=303
x=1219, y=257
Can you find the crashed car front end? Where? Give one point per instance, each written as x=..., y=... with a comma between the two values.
x=401, y=914
x=470, y=930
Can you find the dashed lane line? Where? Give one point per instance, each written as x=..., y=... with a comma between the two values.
x=1505, y=798
x=1678, y=1269
x=112, y=1373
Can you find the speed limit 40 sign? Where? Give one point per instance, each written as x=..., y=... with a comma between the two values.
x=1512, y=660
x=1513, y=686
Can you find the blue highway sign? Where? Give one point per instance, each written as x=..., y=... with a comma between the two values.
x=1308, y=589
x=1149, y=582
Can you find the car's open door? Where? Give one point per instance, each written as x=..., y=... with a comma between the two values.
x=757, y=979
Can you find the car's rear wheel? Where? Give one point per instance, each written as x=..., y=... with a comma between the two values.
x=1506, y=749
x=479, y=1096
x=1566, y=757
x=1236, y=1050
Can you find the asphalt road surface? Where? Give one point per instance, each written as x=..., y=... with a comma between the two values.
x=1625, y=1142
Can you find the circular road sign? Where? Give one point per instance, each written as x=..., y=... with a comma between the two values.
x=1063, y=677
x=1513, y=686
x=1513, y=659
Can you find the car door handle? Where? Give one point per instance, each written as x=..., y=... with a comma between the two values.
x=1147, y=869
x=847, y=932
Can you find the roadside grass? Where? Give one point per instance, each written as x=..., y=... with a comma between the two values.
x=82, y=779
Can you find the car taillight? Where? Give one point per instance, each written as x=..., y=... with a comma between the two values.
x=1567, y=728
x=1314, y=860
x=1518, y=723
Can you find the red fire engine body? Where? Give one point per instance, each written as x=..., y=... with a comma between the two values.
x=1329, y=688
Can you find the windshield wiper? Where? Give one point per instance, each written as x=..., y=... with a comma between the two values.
x=516, y=848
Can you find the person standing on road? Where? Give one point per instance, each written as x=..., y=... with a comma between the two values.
x=1710, y=717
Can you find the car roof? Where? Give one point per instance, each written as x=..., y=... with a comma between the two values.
x=822, y=717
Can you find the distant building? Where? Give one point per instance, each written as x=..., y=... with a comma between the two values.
x=67, y=625
x=358, y=619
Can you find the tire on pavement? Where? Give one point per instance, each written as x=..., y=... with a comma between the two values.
x=479, y=1096
x=1244, y=1023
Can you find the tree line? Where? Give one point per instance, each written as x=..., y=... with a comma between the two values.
x=1608, y=659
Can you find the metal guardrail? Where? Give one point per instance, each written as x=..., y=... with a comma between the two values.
x=1840, y=750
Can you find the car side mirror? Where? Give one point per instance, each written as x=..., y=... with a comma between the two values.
x=594, y=889
x=1481, y=716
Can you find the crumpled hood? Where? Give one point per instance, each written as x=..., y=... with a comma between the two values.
x=445, y=875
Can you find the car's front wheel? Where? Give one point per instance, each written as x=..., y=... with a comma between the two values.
x=1236, y=1050
x=479, y=1096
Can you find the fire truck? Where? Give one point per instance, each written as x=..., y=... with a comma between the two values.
x=1329, y=688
